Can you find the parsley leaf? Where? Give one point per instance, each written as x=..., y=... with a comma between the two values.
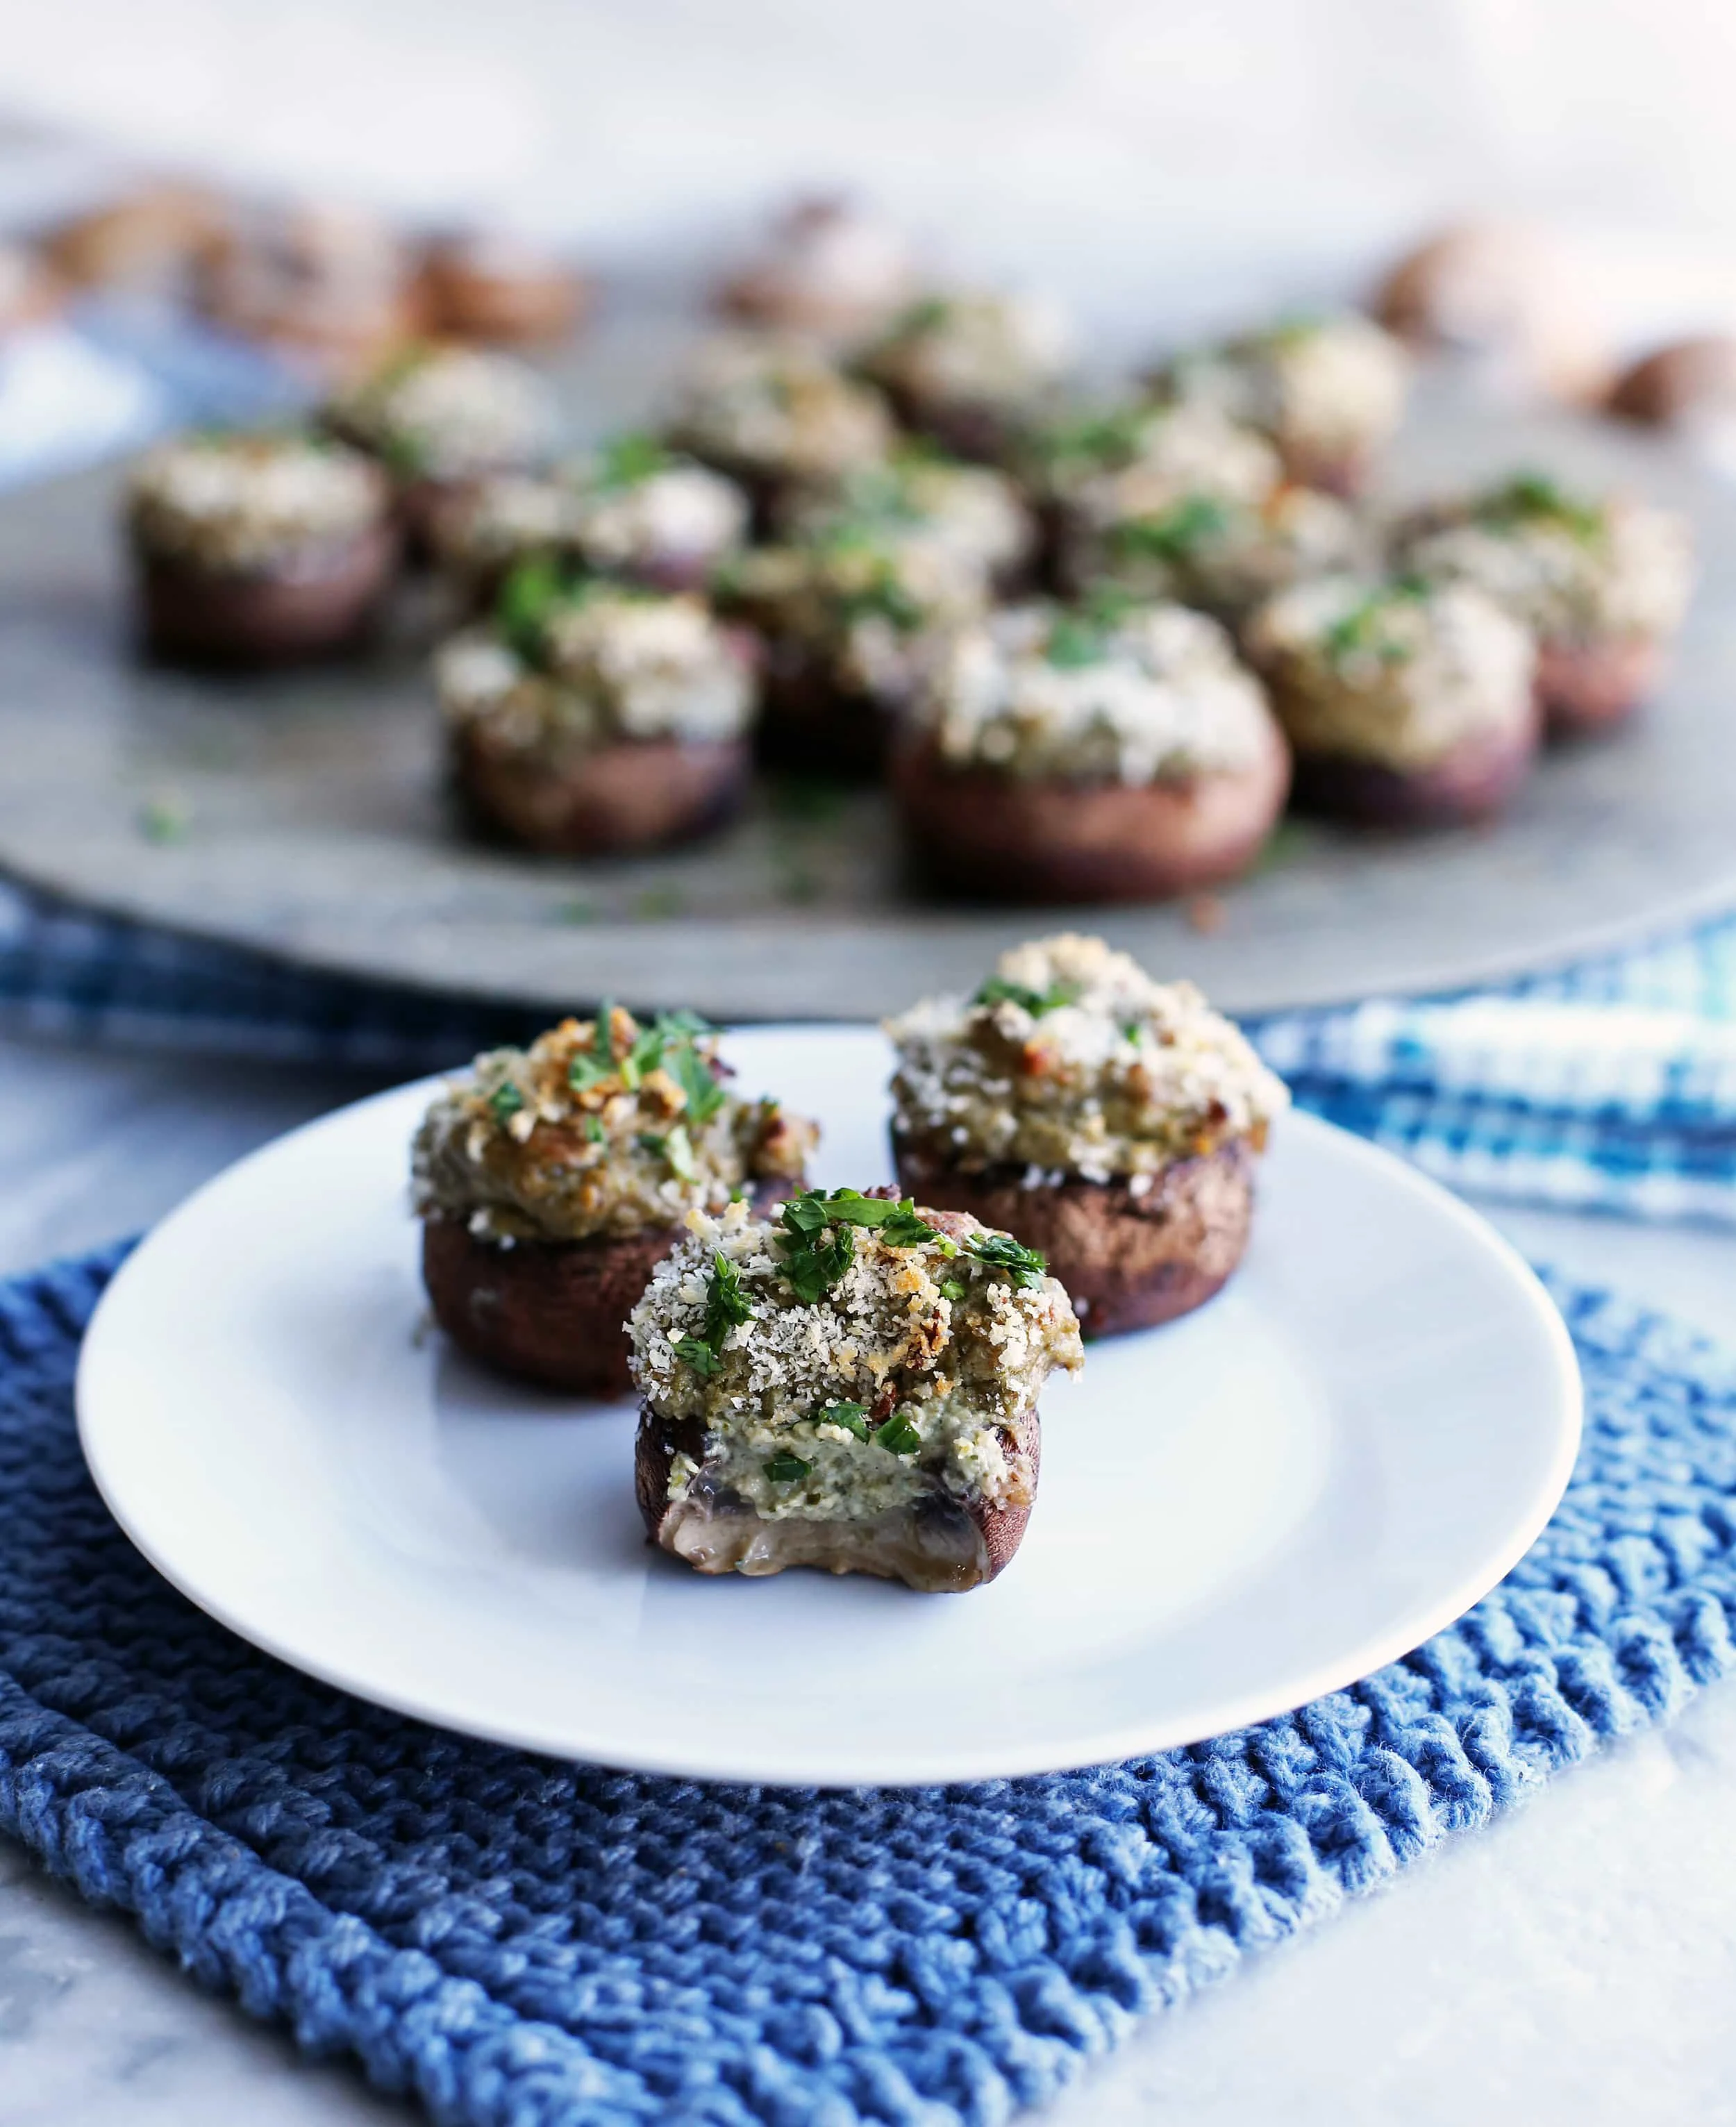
x=693, y=1075
x=784, y=1468
x=953, y=1289
x=700, y=1357
x=1358, y=629
x=506, y=1100
x=593, y=1129
x=1024, y=1267
x=897, y=1435
x=534, y=590
x=677, y=1148
x=726, y=1304
x=1175, y=534
x=997, y=990
x=591, y=1066
x=1533, y=498
x=853, y=1417
x=624, y=460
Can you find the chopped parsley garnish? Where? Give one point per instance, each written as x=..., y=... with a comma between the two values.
x=1360, y=628
x=1533, y=498
x=1080, y=635
x=1176, y=534
x=593, y=1129
x=534, y=590
x=953, y=1289
x=727, y=1306
x=1110, y=439
x=624, y=460
x=818, y=1247
x=726, y=1303
x=784, y=1468
x=997, y=990
x=678, y=1149
x=506, y=1101
x=897, y=1435
x=667, y=1044
x=1024, y=1267
x=651, y=1141
x=591, y=1066
x=880, y=595
x=853, y=1417
x=922, y=317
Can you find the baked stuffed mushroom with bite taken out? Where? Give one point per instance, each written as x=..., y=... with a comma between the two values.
x=851, y=1384
x=1111, y=1122
x=631, y=509
x=1329, y=392
x=437, y=418
x=977, y=372
x=591, y=717
x=258, y=550
x=1110, y=750
x=1407, y=704
x=1602, y=583
x=550, y=1181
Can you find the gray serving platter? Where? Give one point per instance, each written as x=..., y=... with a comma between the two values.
x=305, y=816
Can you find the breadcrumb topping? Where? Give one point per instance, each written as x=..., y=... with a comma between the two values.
x=1393, y=670
x=771, y=408
x=610, y=665
x=1574, y=569
x=974, y=349
x=1323, y=389
x=601, y=1127
x=1072, y=1062
x=240, y=503
x=1157, y=693
x=448, y=412
x=902, y=1378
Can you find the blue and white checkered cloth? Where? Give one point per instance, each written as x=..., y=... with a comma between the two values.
x=1611, y=1086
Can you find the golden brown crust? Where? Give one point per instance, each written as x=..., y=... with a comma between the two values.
x=930, y=1551
x=1128, y=1262
x=267, y=617
x=1007, y=838
x=1474, y=782
x=635, y=794
x=1584, y=688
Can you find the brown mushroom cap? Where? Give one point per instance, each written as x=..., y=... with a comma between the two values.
x=269, y=617
x=634, y=794
x=1128, y=1262
x=999, y=838
x=1586, y=687
x=1472, y=783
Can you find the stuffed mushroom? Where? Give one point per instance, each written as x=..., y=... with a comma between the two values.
x=850, y=619
x=1112, y=1122
x=1110, y=750
x=772, y=413
x=257, y=549
x=1329, y=393
x=1602, y=583
x=976, y=372
x=630, y=509
x=550, y=1181
x=438, y=417
x=591, y=717
x=1407, y=704
x=852, y=1384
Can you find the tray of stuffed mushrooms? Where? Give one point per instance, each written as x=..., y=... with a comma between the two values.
x=758, y=656
x=1018, y=1385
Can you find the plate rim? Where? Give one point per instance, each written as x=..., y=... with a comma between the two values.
x=1130, y=1738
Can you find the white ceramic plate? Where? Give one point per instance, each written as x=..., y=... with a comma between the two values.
x=1263, y=1502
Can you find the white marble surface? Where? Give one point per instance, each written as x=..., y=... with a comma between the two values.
x=1577, y=1960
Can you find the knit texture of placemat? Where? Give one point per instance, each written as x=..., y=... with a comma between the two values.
x=526, y=1943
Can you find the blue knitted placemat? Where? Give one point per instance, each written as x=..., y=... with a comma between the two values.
x=517, y=1942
